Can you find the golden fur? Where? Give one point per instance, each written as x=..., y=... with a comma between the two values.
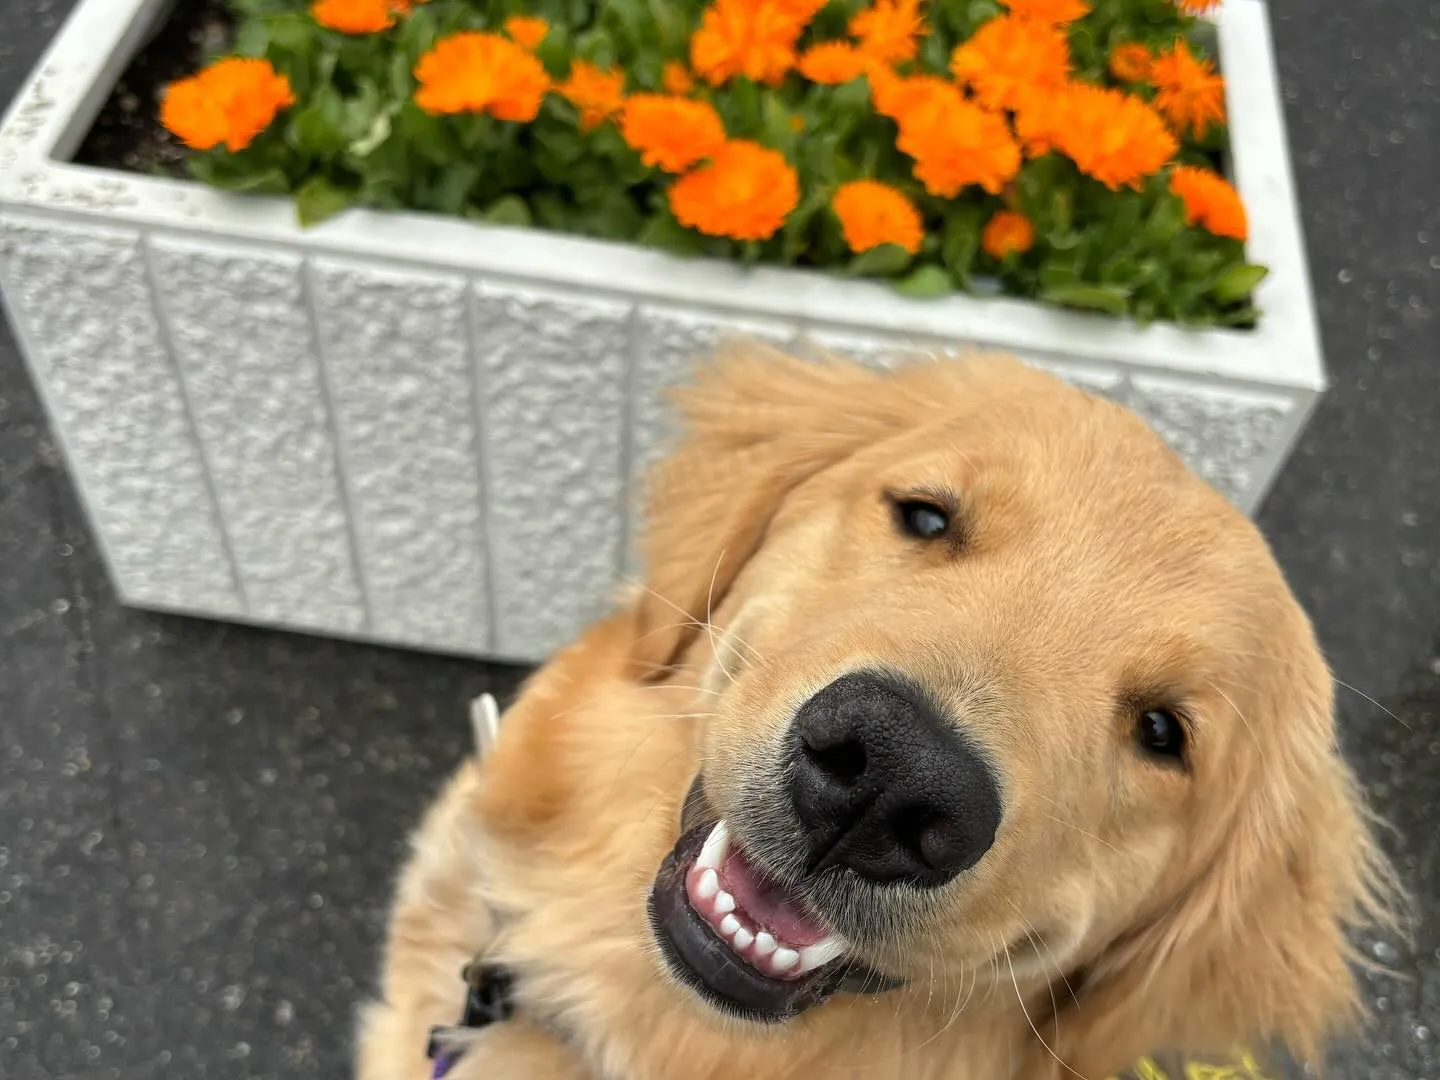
x=1125, y=908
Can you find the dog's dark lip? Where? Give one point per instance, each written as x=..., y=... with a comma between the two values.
x=696, y=809
x=705, y=963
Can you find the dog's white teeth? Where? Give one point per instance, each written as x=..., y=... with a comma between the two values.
x=743, y=939
x=717, y=846
x=764, y=943
x=728, y=925
x=708, y=885
x=822, y=952
x=724, y=903
x=784, y=959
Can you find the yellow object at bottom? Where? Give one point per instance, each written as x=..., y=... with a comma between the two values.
x=1242, y=1067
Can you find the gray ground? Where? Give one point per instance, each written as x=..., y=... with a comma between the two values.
x=198, y=822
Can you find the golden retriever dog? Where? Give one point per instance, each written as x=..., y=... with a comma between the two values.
x=958, y=732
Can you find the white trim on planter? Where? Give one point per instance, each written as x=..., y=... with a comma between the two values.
x=423, y=431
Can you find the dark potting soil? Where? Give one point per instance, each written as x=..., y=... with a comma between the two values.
x=127, y=134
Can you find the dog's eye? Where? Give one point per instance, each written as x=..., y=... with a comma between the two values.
x=1161, y=733
x=922, y=520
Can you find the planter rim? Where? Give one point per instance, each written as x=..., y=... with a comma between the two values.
x=55, y=108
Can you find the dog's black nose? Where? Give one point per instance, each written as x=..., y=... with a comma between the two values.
x=885, y=788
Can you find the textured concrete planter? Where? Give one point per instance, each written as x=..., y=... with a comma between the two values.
x=424, y=432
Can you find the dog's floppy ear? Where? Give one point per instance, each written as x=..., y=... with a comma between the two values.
x=756, y=423
x=1257, y=948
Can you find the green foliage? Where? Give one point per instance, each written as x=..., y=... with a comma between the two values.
x=356, y=137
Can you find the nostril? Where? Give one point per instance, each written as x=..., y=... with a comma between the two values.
x=914, y=829
x=937, y=842
x=843, y=762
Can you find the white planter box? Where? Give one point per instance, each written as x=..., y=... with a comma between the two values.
x=425, y=432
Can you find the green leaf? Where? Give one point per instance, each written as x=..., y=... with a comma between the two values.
x=252, y=38
x=508, y=210
x=961, y=241
x=400, y=79
x=564, y=146
x=451, y=188
x=1238, y=282
x=418, y=32
x=779, y=131
x=795, y=236
x=1108, y=298
x=850, y=97
x=233, y=174
x=1061, y=211
x=319, y=128
x=427, y=134
x=319, y=199
x=667, y=234
x=887, y=260
x=292, y=33
x=1245, y=317
x=926, y=283
x=1166, y=220
x=362, y=108
x=745, y=110
x=372, y=139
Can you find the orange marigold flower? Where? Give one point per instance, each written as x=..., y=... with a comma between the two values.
x=954, y=142
x=1130, y=62
x=745, y=193
x=597, y=94
x=1187, y=90
x=1110, y=135
x=1050, y=11
x=832, y=63
x=1210, y=201
x=1011, y=56
x=753, y=38
x=671, y=133
x=887, y=30
x=872, y=213
x=1008, y=231
x=482, y=73
x=355, y=16
x=1035, y=120
x=527, y=30
x=1198, y=7
x=230, y=102
x=675, y=78
x=898, y=96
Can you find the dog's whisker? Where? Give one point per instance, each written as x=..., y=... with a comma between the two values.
x=686, y=618
x=682, y=686
x=1040, y=941
x=1084, y=832
x=1072, y=825
x=710, y=617
x=1259, y=749
x=1372, y=701
x=1020, y=999
x=1288, y=662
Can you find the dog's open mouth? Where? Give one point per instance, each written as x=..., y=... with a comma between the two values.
x=740, y=939
x=762, y=922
